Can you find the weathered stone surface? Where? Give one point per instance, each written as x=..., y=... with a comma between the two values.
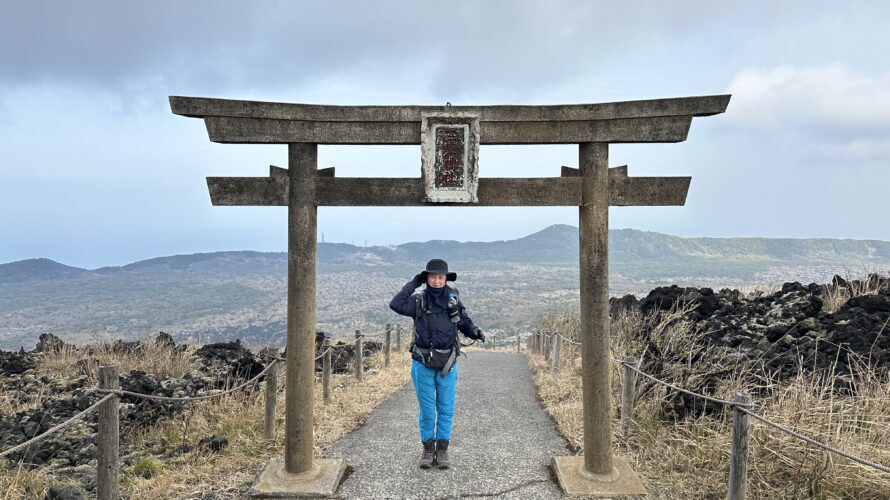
x=369, y=191
x=450, y=156
x=240, y=361
x=248, y=191
x=59, y=493
x=224, y=129
x=623, y=483
x=320, y=481
x=199, y=107
x=15, y=363
x=213, y=444
x=49, y=343
x=164, y=340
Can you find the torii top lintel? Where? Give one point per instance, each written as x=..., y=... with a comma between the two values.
x=657, y=120
x=255, y=122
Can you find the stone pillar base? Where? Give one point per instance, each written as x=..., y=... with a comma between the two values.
x=322, y=481
x=575, y=482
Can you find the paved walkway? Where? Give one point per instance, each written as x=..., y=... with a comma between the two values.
x=502, y=441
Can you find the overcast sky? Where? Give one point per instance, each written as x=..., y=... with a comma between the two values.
x=95, y=170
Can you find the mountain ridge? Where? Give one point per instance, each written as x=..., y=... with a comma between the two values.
x=554, y=244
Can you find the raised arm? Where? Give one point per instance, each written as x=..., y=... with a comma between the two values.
x=403, y=303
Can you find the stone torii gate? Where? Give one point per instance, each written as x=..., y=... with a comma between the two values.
x=450, y=138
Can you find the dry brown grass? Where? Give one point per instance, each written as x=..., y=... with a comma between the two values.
x=21, y=483
x=835, y=295
x=239, y=418
x=13, y=401
x=71, y=363
x=689, y=458
x=158, y=359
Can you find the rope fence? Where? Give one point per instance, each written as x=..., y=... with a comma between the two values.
x=107, y=437
x=741, y=410
x=674, y=387
x=566, y=339
x=56, y=428
x=548, y=345
x=119, y=392
x=815, y=443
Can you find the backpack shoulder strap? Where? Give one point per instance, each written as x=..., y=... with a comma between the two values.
x=417, y=299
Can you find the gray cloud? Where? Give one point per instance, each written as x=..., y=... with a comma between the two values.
x=801, y=151
x=464, y=48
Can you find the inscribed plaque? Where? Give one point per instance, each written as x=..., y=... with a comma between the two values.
x=450, y=157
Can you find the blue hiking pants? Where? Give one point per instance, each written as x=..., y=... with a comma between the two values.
x=435, y=396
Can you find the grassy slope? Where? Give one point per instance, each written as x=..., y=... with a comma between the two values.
x=690, y=458
x=237, y=417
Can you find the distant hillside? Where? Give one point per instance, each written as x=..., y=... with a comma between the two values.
x=38, y=269
x=554, y=244
x=630, y=243
x=227, y=295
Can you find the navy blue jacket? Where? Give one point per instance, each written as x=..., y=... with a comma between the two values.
x=432, y=330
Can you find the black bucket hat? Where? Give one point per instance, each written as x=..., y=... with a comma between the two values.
x=438, y=266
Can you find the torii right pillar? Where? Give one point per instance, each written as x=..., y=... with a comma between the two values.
x=596, y=472
x=593, y=227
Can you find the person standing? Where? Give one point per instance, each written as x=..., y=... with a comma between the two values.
x=438, y=315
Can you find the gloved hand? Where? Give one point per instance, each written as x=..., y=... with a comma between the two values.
x=478, y=335
x=418, y=280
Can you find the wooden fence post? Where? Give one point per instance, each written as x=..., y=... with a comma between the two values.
x=628, y=383
x=326, y=371
x=548, y=344
x=738, y=465
x=399, y=337
x=271, y=398
x=518, y=342
x=359, y=362
x=108, y=438
x=554, y=365
x=387, y=337
x=542, y=337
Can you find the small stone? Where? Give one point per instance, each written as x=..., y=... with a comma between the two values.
x=214, y=443
x=87, y=451
x=59, y=493
x=57, y=463
x=48, y=342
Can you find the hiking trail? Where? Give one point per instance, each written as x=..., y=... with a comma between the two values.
x=502, y=441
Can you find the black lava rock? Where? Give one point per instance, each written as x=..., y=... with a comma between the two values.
x=213, y=444
x=48, y=342
x=240, y=361
x=15, y=363
x=59, y=493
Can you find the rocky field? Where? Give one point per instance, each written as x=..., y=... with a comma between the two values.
x=694, y=337
x=47, y=386
x=815, y=358
x=831, y=331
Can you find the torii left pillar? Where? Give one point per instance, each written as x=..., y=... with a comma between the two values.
x=300, y=473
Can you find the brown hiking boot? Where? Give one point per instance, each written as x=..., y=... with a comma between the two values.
x=429, y=454
x=442, y=454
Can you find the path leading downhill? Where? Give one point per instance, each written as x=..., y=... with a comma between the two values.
x=502, y=441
